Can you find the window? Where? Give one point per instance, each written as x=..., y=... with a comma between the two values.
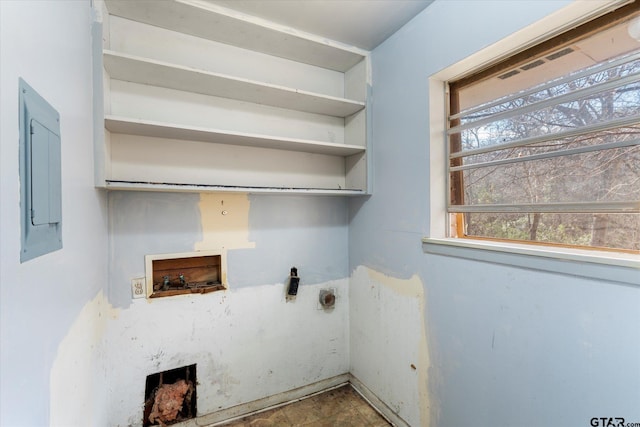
x=545, y=145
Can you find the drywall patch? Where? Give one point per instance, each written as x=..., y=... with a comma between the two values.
x=389, y=341
x=225, y=221
x=75, y=389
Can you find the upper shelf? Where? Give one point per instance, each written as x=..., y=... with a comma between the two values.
x=190, y=133
x=209, y=21
x=146, y=71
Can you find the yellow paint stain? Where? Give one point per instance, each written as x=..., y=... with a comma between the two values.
x=409, y=288
x=225, y=221
x=413, y=288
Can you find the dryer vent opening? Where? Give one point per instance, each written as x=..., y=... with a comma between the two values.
x=170, y=396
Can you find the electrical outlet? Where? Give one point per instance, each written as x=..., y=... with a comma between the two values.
x=137, y=288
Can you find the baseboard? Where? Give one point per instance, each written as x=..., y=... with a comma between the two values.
x=267, y=403
x=376, y=403
x=291, y=396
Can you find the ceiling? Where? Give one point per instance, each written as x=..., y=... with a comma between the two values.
x=361, y=23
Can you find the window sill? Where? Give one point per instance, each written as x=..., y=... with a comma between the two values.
x=599, y=265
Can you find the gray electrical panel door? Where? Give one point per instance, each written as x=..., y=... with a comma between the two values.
x=40, y=175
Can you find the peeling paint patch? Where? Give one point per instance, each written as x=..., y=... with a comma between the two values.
x=388, y=315
x=225, y=221
x=74, y=374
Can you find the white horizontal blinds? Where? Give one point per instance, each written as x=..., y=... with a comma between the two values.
x=551, y=97
x=571, y=132
x=577, y=207
x=569, y=145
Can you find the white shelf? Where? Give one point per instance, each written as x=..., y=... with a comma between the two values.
x=199, y=98
x=166, y=187
x=154, y=129
x=212, y=22
x=157, y=73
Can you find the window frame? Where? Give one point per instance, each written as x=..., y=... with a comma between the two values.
x=510, y=252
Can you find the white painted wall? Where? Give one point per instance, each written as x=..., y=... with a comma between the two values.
x=50, y=314
x=247, y=343
x=388, y=341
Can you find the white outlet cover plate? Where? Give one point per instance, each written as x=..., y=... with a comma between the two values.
x=138, y=288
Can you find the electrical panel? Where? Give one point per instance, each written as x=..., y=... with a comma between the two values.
x=40, y=175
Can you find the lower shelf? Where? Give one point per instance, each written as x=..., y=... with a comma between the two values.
x=168, y=187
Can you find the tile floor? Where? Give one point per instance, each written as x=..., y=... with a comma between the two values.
x=340, y=407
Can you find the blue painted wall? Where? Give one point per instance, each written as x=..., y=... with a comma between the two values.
x=48, y=45
x=146, y=223
x=310, y=233
x=508, y=345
